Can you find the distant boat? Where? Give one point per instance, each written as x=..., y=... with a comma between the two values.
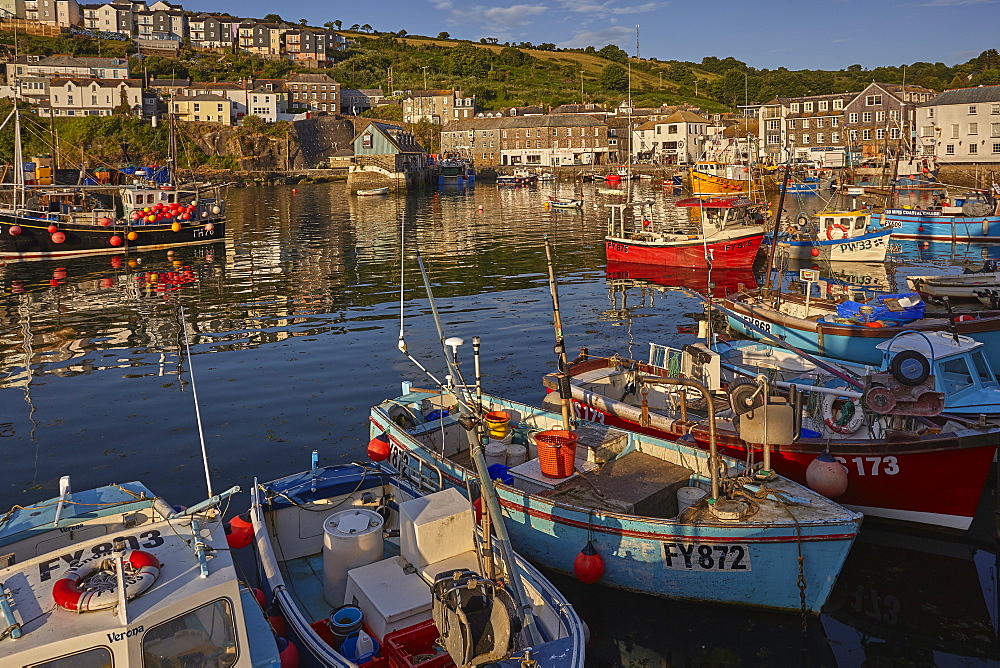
x=373, y=191
x=455, y=171
x=564, y=203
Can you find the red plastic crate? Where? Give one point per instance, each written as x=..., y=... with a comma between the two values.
x=413, y=647
x=377, y=662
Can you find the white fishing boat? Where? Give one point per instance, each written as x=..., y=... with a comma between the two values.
x=436, y=592
x=115, y=576
x=838, y=236
x=373, y=191
x=980, y=284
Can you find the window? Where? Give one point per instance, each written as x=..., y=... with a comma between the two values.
x=773, y=125
x=949, y=149
x=927, y=131
x=894, y=114
x=824, y=105
x=930, y=112
x=366, y=140
x=996, y=148
x=805, y=139
x=854, y=136
x=879, y=116
x=205, y=636
x=852, y=118
x=197, y=106
x=972, y=108
x=866, y=117
x=955, y=375
x=820, y=137
x=774, y=139
x=791, y=124
x=805, y=123
x=99, y=657
x=818, y=122
x=895, y=133
x=866, y=135
x=873, y=100
x=995, y=129
x=954, y=131
x=838, y=104
x=834, y=122
x=808, y=106
x=973, y=128
x=795, y=107
x=973, y=149
x=880, y=133
x=995, y=109
x=835, y=138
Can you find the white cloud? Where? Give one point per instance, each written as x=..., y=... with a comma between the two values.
x=497, y=19
x=607, y=8
x=955, y=3
x=612, y=35
x=443, y=4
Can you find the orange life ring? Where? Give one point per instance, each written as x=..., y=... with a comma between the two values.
x=69, y=592
x=838, y=226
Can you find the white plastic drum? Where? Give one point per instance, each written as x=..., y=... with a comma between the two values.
x=688, y=496
x=495, y=452
x=516, y=454
x=351, y=538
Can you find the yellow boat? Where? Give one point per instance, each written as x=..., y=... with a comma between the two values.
x=718, y=178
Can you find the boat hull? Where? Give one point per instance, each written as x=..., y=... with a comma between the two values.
x=737, y=252
x=931, y=225
x=35, y=241
x=866, y=248
x=709, y=184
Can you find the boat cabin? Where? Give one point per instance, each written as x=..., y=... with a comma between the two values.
x=139, y=197
x=831, y=225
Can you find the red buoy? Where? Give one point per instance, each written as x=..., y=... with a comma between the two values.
x=920, y=229
x=477, y=506
x=826, y=476
x=588, y=565
x=105, y=221
x=53, y=229
x=288, y=653
x=965, y=317
x=276, y=619
x=58, y=237
x=261, y=597
x=239, y=532
x=378, y=448
x=115, y=240
x=814, y=252
x=14, y=230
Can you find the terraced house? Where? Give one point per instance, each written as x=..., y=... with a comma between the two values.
x=315, y=92
x=440, y=107
x=961, y=126
x=563, y=139
x=880, y=119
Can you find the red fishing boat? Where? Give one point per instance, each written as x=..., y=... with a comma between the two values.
x=728, y=234
x=932, y=477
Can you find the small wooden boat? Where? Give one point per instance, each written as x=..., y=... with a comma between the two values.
x=320, y=547
x=890, y=465
x=970, y=285
x=730, y=234
x=620, y=493
x=116, y=576
x=564, y=203
x=373, y=191
x=844, y=236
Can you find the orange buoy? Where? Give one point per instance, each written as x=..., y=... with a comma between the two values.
x=105, y=221
x=175, y=226
x=132, y=236
x=814, y=252
x=588, y=565
x=239, y=532
x=378, y=448
x=826, y=476
x=53, y=229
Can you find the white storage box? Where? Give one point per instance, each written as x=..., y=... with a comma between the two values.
x=435, y=527
x=390, y=598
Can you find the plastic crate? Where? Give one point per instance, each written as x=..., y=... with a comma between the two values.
x=413, y=647
x=377, y=662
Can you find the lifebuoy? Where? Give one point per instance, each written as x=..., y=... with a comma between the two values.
x=838, y=226
x=73, y=592
x=852, y=424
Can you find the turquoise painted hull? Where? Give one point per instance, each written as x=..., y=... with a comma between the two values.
x=753, y=563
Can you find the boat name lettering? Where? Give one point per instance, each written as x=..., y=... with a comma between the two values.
x=911, y=212
x=872, y=465
x=761, y=324
x=860, y=244
x=742, y=244
x=147, y=539
x=617, y=247
x=202, y=232
x=703, y=557
x=115, y=637
x=894, y=224
x=71, y=528
x=588, y=413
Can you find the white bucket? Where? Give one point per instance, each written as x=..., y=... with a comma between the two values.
x=495, y=452
x=688, y=496
x=532, y=446
x=516, y=454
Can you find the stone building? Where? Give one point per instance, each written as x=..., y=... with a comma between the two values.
x=440, y=107
x=553, y=140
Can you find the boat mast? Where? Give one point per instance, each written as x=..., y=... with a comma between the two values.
x=769, y=279
x=18, y=161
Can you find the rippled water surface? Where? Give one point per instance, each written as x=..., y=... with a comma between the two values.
x=293, y=326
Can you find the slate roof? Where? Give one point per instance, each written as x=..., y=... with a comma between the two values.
x=203, y=97
x=684, y=117
x=965, y=96
x=103, y=83
x=396, y=135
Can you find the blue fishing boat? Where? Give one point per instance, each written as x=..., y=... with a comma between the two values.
x=808, y=185
x=661, y=518
x=382, y=552
x=817, y=326
x=970, y=218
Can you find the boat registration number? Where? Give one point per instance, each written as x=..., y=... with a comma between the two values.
x=705, y=557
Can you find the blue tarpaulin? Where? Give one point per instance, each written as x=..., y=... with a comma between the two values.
x=915, y=311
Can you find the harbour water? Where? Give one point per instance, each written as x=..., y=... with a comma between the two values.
x=293, y=326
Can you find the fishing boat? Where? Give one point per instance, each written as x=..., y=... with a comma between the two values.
x=893, y=467
x=970, y=285
x=116, y=576
x=843, y=330
x=611, y=192
x=438, y=593
x=709, y=177
x=520, y=177
x=39, y=222
x=972, y=217
x=839, y=236
x=455, y=171
x=808, y=185
x=662, y=519
x=729, y=234
x=372, y=191
x=564, y=203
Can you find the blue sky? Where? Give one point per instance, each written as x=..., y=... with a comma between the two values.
x=762, y=33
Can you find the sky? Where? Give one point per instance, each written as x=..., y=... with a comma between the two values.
x=762, y=33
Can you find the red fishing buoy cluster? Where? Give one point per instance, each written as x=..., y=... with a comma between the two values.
x=378, y=448
x=165, y=211
x=588, y=565
x=165, y=281
x=239, y=532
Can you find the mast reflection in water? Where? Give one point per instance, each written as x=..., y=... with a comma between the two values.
x=293, y=324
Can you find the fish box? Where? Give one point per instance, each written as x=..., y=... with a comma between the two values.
x=389, y=597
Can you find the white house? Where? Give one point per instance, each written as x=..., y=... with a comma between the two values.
x=677, y=139
x=92, y=97
x=961, y=126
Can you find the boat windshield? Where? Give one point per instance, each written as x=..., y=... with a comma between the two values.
x=955, y=375
x=986, y=376
x=859, y=223
x=99, y=657
x=205, y=636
